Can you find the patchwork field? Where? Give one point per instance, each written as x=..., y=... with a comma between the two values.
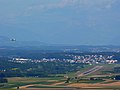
x=59, y=83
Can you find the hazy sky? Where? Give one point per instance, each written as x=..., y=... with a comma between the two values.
x=77, y=22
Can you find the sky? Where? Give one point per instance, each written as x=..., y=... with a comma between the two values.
x=71, y=22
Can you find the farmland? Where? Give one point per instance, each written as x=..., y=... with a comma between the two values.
x=48, y=70
x=103, y=81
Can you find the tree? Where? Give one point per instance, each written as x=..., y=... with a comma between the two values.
x=3, y=80
x=68, y=80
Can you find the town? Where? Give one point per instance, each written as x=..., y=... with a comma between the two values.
x=86, y=59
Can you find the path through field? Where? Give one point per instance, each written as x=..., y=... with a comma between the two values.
x=26, y=87
x=97, y=85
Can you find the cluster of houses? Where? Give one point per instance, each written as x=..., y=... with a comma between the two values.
x=88, y=59
x=95, y=59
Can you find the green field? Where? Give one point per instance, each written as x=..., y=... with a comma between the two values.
x=23, y=81
x=59, y=82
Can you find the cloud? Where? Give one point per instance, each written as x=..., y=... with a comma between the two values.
x=82, y=4
x=77, y=5
x=87, y=4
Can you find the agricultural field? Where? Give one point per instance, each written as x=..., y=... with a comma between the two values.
x=24, y=83
x=58, y=84
x=104, y=81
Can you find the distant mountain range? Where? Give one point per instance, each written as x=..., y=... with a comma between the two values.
x=7, y=43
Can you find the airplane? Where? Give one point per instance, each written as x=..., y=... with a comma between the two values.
x=13, y=39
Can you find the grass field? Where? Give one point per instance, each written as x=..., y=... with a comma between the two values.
x=22, y=81
x=58, y=83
